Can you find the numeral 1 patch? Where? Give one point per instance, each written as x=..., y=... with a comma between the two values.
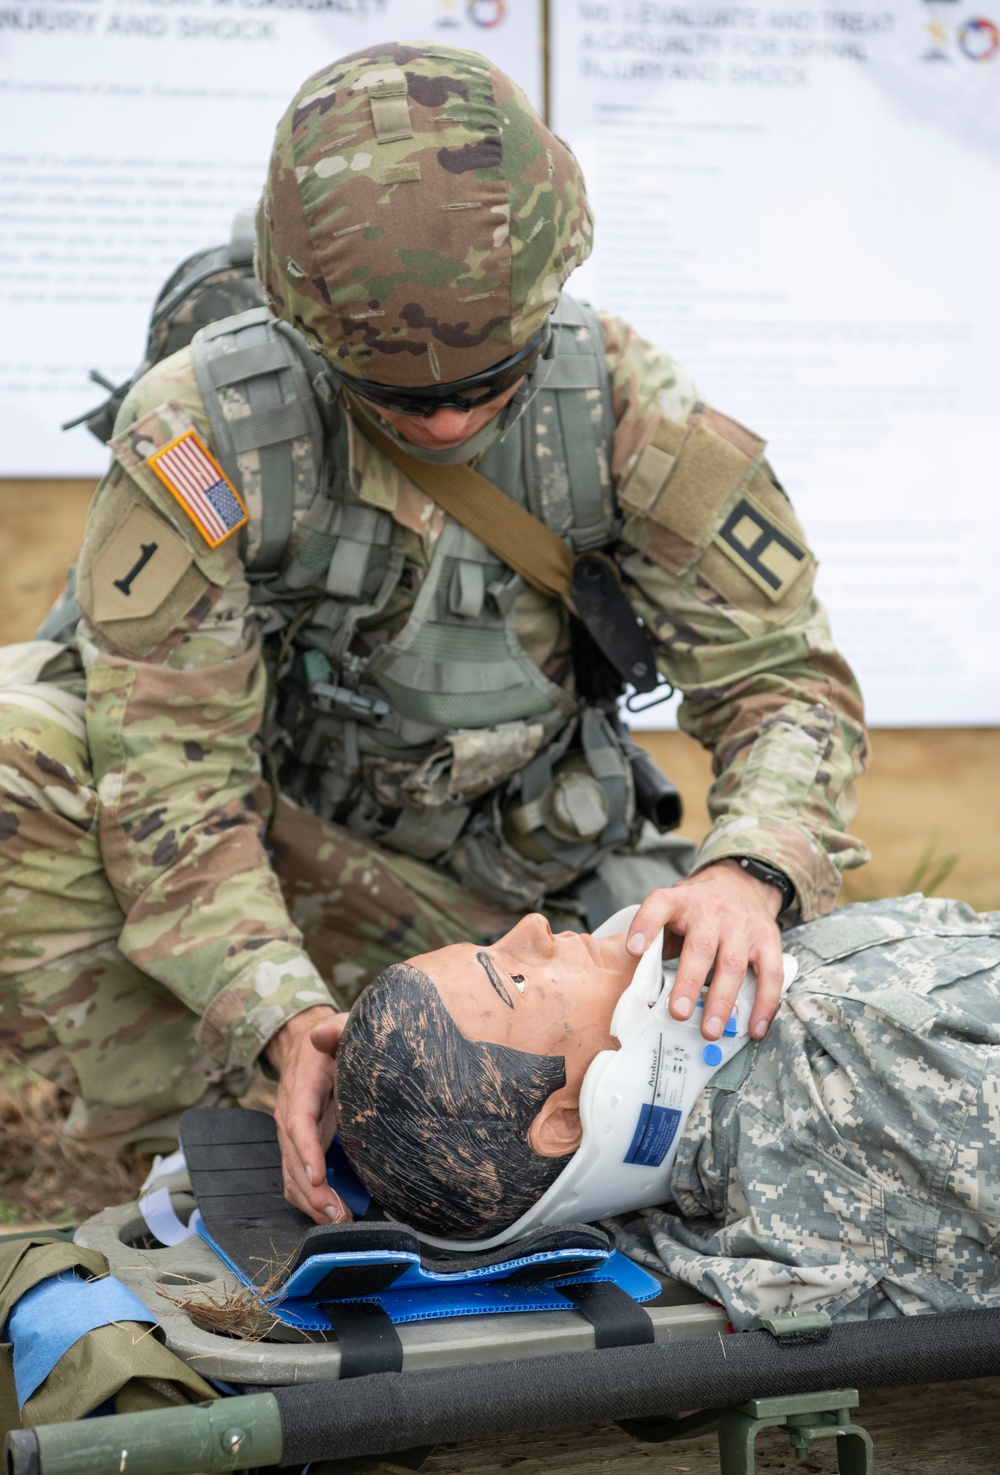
x=139, y=566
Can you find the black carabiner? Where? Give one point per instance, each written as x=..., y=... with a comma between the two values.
x=662, y=692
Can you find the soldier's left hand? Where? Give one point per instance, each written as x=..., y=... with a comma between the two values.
x=720, y=916
x=304, y=1053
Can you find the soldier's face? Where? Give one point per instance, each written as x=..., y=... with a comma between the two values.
x=550, y=994
x=446, y=428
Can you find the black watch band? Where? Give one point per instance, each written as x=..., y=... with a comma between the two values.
x=771, y=875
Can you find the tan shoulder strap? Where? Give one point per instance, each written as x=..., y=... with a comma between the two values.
x=511, y=532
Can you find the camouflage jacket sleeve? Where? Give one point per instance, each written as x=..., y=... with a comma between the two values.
x=718, y=567
x=176, y=689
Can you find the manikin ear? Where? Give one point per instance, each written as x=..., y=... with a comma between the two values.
x=557, y=1129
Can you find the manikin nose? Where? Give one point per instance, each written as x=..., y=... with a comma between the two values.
x=534, y=927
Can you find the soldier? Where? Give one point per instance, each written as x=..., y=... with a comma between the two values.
x=310, y=723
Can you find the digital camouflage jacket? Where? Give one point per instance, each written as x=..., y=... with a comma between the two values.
x=849, y=1162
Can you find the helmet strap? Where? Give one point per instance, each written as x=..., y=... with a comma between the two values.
x=534, y=380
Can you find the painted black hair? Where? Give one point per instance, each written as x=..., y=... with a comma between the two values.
x=436, y=1125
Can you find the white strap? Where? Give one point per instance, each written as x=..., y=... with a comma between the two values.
x=162, y=1220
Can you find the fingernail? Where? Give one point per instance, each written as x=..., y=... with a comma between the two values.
x=335, y=1213
x=713, y=1027
x=636, y=944
x=682, y=1008
x=759, y=1029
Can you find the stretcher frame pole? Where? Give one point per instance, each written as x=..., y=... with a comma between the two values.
x=383, y=1412
x=227, y=1434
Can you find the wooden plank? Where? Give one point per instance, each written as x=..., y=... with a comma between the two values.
x=41, y=527
x=936, y=1429
x=929, y=790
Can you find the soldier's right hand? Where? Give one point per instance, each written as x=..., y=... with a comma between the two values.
x=304, y=1054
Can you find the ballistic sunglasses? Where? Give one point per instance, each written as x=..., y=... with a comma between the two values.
x=459, y=394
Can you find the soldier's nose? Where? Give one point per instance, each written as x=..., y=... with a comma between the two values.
x=448, y=424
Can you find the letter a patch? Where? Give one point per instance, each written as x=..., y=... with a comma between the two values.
x=192, y=475
x=764, y=551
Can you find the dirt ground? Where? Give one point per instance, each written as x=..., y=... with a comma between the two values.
x=44, y=1179
x=932, y=1429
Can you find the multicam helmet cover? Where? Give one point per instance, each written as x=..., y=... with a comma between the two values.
x=419, y=220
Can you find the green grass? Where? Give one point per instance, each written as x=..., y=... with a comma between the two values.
x=929, y=874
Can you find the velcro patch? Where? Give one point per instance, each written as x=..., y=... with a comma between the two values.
x=138, y=567
x=761, y=550
x=402, y=174
x=390, y=110
x=195, y=479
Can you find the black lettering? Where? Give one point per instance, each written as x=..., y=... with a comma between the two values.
x=125, y=585
x=767, y=534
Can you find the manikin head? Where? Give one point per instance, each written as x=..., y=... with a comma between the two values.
x=459, y=1073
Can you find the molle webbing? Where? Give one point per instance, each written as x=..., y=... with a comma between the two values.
x=587, y=585
x=512, y=533
x=256, y=382
x=268, y=404
x=457, y=666
x=569, y=487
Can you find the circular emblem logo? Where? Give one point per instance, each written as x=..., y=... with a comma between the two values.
x=979, y=39
x=487, y=12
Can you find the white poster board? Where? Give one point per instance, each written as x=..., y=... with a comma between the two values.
x=802, y=204
x=130, y=133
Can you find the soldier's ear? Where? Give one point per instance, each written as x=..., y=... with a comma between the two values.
x=557, y=1129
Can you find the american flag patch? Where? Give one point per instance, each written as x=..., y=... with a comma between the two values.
x=192, y=475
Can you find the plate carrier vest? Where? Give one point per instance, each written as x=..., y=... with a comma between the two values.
x=445, y=742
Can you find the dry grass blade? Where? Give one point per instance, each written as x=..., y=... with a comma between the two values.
x=247, y=1311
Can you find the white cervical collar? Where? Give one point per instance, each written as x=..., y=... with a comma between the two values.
x=635, y=1100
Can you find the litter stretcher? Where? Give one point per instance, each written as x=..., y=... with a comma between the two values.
x=373, y=1345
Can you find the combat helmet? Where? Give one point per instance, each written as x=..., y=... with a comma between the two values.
x=419, y=219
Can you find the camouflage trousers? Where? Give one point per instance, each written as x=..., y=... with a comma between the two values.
x=75, y=1009
x=850, y=1163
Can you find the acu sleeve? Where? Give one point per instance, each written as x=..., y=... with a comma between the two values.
x=176, y=689
x=718, y=567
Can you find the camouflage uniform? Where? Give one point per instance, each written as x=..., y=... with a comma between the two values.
x=133, y=808
x=850, y=1163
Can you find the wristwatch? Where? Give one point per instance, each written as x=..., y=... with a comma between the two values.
x=763, y=872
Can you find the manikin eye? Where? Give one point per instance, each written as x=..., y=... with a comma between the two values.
x=517, y=979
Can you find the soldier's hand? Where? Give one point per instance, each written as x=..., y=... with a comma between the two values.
x=725, y=917
x=304, y=1053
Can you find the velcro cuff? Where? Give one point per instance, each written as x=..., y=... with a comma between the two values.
x=246, y=1015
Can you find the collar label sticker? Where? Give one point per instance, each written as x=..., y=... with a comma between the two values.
x=660, y=1118
x=195, y=479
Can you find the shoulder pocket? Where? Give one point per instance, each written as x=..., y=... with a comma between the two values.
x=708, y=485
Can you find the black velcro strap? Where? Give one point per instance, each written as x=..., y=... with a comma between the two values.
x=603, y=606
x=618, y=1321
x=369, y=1343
